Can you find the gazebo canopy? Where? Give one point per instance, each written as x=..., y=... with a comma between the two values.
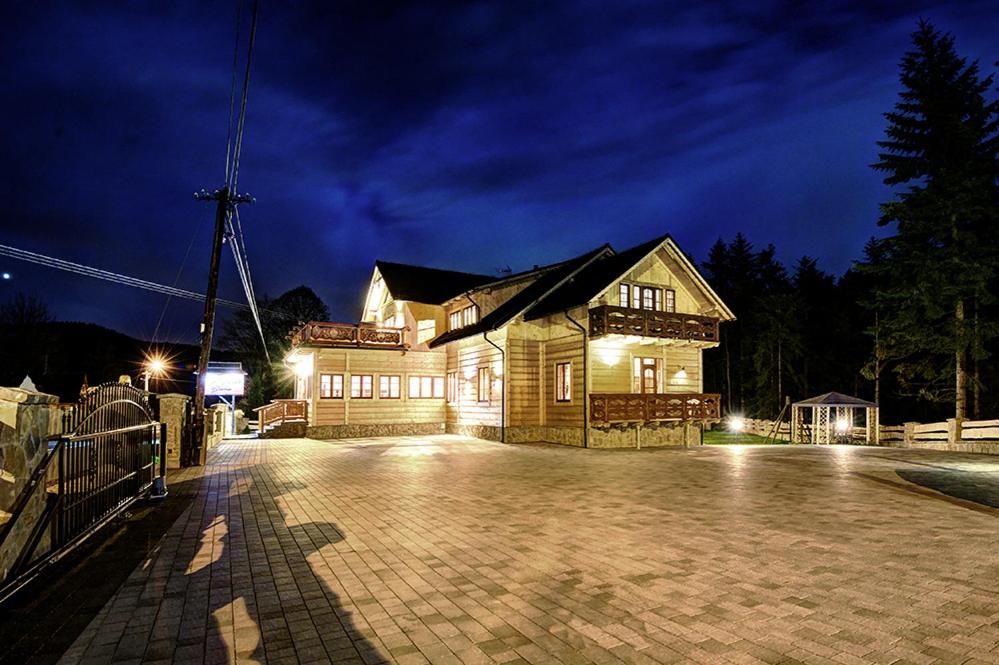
x=835, y=399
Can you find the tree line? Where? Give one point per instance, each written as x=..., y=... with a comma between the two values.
x=914, y=324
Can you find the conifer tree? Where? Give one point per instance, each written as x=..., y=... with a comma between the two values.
x=941, y=146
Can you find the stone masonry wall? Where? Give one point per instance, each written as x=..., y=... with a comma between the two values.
x=27, y=420
x=362, y=431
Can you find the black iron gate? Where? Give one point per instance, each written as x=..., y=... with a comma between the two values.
x=111, y=453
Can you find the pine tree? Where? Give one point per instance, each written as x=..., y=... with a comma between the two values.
x=942, y=145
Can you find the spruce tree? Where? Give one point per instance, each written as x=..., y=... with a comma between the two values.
x=941, y=146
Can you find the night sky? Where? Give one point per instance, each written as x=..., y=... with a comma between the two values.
x=470, y=136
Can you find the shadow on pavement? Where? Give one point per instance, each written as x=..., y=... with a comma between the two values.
x=44, y=619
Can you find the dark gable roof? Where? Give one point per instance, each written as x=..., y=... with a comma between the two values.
x=551, y=278
x=834, y=399
x=582, y=287
x=427, y=285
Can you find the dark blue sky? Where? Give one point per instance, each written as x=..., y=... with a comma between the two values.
x=463, y=135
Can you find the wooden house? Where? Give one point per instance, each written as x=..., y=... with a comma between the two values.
x=601, y=350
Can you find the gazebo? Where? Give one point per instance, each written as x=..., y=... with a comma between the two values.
x=834, y=418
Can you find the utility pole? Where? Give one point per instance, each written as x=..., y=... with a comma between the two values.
x=225, y=202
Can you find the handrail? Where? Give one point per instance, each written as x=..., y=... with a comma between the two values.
x=615, y=320
x=606, y=408
x=363, y=335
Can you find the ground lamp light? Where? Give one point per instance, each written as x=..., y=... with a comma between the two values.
x=736, y=424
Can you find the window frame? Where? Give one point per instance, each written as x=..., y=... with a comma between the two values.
x=483, y=373
x=371, y=386
x=430, y=384
x=382, y=385
x=669, y=300
x=452, y=392
x=563, y=382
x=332, y=376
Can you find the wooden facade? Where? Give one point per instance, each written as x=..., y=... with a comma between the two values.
x=586, y=374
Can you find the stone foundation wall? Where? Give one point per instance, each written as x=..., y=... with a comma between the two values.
x=172, y=408
x=488, y=432
x=647, y=436
x=567, y=436
x=27, y=421
x=286, y=431
x=362, y=431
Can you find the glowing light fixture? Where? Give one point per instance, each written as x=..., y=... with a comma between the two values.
x=842, y=426
x=6, y=275
x=681, y=374
x=736, y=424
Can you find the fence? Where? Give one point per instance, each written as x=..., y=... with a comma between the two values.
x=976, y=436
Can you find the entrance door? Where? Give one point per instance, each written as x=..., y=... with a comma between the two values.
x=649, y=376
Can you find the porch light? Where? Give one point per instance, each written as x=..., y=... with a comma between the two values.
x=681, y=373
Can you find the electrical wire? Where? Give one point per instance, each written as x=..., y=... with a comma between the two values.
x=176, y=279
x=106, y=275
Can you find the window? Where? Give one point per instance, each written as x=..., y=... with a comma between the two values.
x=360, y=386
x=426, y=387
x=646, y=376
x=463, y=317
x=484, y=386
x=646, y=297
x=388, y=386
x=426, y=330
x=563, y=382
x=452, y=387
x=331, y=386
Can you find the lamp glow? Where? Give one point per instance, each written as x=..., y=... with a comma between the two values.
x=842, y=425
x=736, y=424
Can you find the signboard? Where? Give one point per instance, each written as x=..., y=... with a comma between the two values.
x=230, y=381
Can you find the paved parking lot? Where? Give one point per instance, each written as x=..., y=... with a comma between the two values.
x=453, y=550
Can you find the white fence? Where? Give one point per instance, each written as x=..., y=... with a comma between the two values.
x=975, y=436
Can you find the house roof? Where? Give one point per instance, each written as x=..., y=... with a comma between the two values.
x=587, y=283
x=551, y=279
x=834, y=399
x=427, y=285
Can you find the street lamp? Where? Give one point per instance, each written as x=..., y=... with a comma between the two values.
x=155, y=367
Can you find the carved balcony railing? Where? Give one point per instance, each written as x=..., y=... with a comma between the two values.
x=607, y=408
x=282, y=411
x=613, y=320
x=364, y=335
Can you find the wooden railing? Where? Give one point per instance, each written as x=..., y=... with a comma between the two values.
x=614, y=320
x=281, y=411
x=366, y=335
x=606, y=408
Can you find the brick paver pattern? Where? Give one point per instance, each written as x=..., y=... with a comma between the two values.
x=452, y=550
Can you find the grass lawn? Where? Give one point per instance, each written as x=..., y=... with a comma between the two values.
x=725, y=438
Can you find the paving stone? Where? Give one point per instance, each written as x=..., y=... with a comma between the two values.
x=452, y=550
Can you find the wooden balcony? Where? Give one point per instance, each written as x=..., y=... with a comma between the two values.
x=281, y=411
x=613, y=320
x=362, y=335
x=607, y=408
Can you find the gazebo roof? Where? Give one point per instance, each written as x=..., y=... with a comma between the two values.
x=834, y=399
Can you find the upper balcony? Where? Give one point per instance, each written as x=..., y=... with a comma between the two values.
x=614, y=320
x=358, y=335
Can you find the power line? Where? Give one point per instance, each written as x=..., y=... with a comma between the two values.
x=106, y=275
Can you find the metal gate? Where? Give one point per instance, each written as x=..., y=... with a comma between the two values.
x=110, y=454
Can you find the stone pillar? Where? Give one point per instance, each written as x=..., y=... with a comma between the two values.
x=173, y=406
x=955, y=428
x=27, y=420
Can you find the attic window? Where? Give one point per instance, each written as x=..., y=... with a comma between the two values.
x=463, y=317
x=651, y=298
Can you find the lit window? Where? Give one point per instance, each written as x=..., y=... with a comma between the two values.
x=646, y=376
x=670, y=300
x=388, y=387
x=426, y=330
x=454, y=320
x=452, y=387
x=658, y=293
x=360, y=386
x=623, y=295
x=426, y=387
x=563, y=382
x=484, y=387
x=331, y=386
x=470, y=315
x=636, y=298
